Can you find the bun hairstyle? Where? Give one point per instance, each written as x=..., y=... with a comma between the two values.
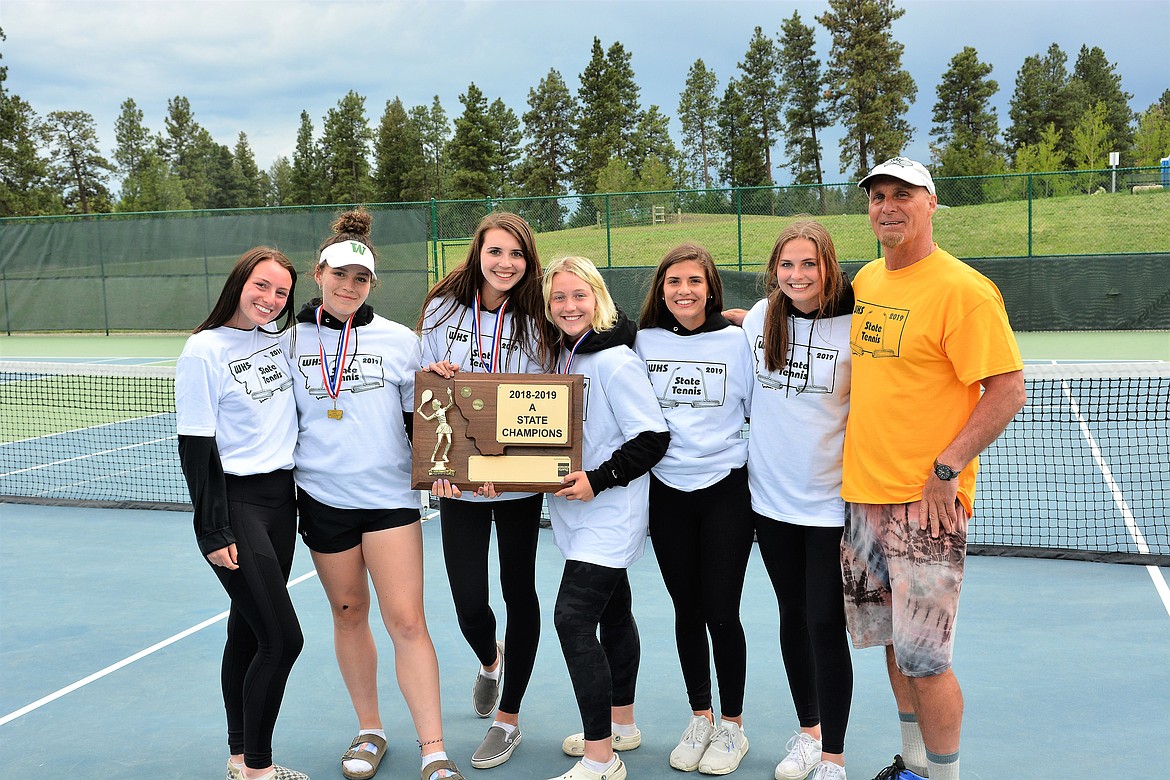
x=350, y=226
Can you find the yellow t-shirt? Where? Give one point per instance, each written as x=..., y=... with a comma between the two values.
x=922, y=338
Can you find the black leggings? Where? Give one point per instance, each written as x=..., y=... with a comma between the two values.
x=467, y=530
x=263, y=635
x=702, y=540
x=605, y=673
x=804, y=563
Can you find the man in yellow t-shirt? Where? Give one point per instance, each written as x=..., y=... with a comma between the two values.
x=936, y=377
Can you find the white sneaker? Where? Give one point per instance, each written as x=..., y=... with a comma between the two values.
x=826, y=770
x=574, y=744
x=727, y=748
x=616, y=772
x=804, y=754
x=689, y=751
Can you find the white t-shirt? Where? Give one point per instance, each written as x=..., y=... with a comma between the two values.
x=453, y=339
x=798, y=416
x=703, y=382
x=236, y=385
x=361, y=461
x=609, y=530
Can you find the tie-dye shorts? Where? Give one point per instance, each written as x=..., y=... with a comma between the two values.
x=902, y=586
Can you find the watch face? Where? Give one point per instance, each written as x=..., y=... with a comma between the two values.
x=944, y=472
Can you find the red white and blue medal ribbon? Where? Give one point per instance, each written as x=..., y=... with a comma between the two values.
x=332, y=378
x=573, y=351
x=490, y=363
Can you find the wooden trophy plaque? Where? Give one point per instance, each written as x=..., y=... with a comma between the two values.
x=517, y=431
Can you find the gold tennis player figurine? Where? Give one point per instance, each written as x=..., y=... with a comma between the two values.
x=442, y=432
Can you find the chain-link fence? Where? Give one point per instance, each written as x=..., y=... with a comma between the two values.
x=163, y=271
x=1103, y=212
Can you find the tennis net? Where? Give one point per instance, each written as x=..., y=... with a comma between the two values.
x=1080, y=473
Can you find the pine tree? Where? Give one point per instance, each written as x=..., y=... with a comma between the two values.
x=697, y=110
x=345, y=146
x=229, y=189
x=759, y=89
x=548, y=123
x=655, y=146
x=870, y=93
x=189, y=149
x=24, y=185
x=399, y=167
x=1041, y=98
x=744, y=164
x=307, y=183
x=505, y=137
x=607, y=125
x=471, y=150
x=249, y=172
x=76, y=163
x=802, y=84
x=966, y=129
x=1095, y=81
x=434, y=129
x=278, y=182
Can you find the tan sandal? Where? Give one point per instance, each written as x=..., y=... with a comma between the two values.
x=371, y=758
x=430, y=769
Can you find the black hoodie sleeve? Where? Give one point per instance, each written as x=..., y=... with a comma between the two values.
x=199, y=459
x=629, y=461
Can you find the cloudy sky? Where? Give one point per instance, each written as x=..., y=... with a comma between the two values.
x=254, y=65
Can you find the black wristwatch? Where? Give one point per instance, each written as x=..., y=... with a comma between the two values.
x=945, y=473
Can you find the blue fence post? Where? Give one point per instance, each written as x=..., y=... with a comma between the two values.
x=1166, y=173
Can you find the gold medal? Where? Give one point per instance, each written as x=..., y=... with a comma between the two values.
x=335, y=414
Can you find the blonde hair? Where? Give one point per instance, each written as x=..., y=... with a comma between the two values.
x=605, y=314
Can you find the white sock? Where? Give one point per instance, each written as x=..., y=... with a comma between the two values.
x=599, y=767
x=913, y=748
x=440, y=756
x=623, y=729
x=507, y=727
x=360, y=764
x=494, y=674
x=943, y=767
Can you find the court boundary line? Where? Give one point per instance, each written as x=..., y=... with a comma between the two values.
x=130, y=659
x=1131, y=525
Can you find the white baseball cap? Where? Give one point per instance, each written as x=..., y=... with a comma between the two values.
x=903, y=169
x=345, y=253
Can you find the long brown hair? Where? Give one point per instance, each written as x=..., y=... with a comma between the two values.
x=525, y=299
x=653, y=306
x=233, y=287
x=776, y=335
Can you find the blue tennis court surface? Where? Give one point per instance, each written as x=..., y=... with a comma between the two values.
x=1054, y=656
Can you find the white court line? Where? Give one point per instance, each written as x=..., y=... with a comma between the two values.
x=1119, y=499
x=129, y=660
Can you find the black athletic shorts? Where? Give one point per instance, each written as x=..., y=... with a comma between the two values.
x=327, y=529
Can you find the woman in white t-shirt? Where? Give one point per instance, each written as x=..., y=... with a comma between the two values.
x=700, y=511
x=599, y=518
x=799, y=337
x=355, y=396
x=486, y=316
x=236, y=421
